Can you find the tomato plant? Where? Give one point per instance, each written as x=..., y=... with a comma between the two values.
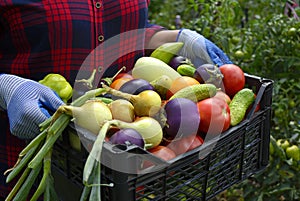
x=262, y=37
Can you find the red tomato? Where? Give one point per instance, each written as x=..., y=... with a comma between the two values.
x=258, y=105
x=223, y=96
x=140, y=191
x=233, y=80
x=196, y=143
x=185, y=144
x=214, y=116
x=162, y=152
x=123, y=75
x=250, y=107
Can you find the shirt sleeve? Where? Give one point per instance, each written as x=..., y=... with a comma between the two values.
x=151, y=29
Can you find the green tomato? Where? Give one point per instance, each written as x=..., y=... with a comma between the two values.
x=293, y=152
x=292, y=103
x=279, y=113
x=283, y=143
x=239, y=54
x=235, y=40
x=292, y=31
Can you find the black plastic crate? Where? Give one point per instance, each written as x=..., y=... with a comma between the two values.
x=200, y=174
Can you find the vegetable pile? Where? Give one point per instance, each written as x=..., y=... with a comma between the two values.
x=166, y=106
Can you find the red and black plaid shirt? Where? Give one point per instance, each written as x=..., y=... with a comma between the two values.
x=70, y=37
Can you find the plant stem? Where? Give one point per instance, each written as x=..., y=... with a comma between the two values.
x=25, y=189
x=88, y=95
x=45, y=124
x=95, y=153
x=96, y=188
x=34, y=143
x=114, y=92
x=21, y=164
x=47, y=172
x=18, y=184
x=59, y=125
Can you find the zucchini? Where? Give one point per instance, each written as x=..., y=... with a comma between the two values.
x=150, y=68
x=167, y=51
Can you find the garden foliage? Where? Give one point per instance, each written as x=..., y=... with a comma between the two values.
x=262, y=37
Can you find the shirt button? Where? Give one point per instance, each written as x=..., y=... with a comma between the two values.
x=100, y=69
x=100, y=38
x=98, y=4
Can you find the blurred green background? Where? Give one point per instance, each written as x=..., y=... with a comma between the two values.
x=263, y=38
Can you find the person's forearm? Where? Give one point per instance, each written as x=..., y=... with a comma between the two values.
x=162, y=37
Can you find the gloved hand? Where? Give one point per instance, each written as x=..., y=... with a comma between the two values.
x=28, y=103
x=200, y=50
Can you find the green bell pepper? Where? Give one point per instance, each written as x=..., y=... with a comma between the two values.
x=59, y=84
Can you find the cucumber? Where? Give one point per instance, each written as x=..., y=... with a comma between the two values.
x=186, y=70
x=239, y=105
x=196, y=92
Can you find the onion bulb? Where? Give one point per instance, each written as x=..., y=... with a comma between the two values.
x=146, y=103
x=91, y=115
x=148, y=127
x=122, y=110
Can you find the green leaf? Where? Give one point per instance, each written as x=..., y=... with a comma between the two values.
x=260, y=197
x=278, y=150
x=286, y=174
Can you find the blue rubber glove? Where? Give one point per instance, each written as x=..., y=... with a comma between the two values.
x=28, y=103
x=200, y=50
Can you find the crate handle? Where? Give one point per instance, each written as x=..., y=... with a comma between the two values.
x=257, y=99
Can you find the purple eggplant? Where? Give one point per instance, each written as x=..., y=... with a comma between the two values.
x=177, y=61
x=127, y=136
x=209, y=73
x=183, y=118
x=135, y=86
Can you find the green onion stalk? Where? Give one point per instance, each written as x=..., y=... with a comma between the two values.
x=36, y=156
